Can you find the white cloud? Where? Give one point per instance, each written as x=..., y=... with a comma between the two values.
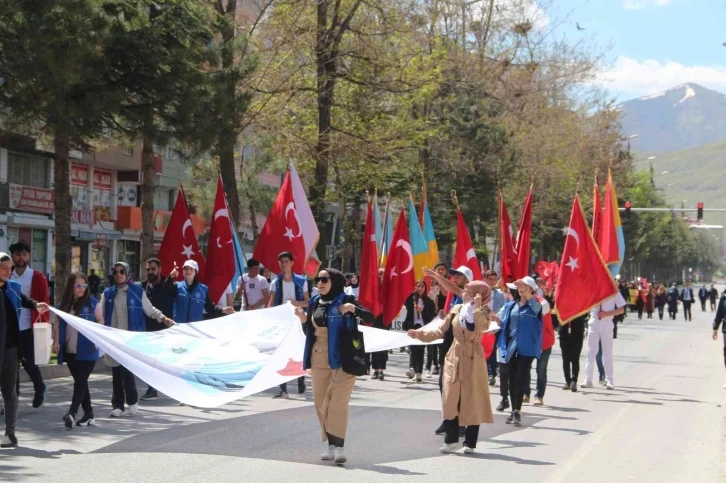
x=641, y=4
x=651, y=76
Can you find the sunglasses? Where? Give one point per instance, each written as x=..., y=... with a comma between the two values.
x=119, y=272
x=322, y=279
x=81, y=285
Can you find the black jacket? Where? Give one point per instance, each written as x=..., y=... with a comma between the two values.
x=703, y=293
x=683, y=294
x=162, y=297
x=428, y=314
x=575, y=329
x=720, y=313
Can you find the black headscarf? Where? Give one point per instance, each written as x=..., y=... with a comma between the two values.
x=337, y=284
x=354, y=285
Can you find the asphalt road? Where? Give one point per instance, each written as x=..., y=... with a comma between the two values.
x=664, y=423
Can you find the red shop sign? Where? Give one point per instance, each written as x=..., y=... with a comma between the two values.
x=79, y=174
x=102, y=179
x=29, y=198
x=83, y=217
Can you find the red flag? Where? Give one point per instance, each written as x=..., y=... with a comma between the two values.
x=398, y=278
x=465, y=254
x=524, y=237
x=584, y=281
x=180, y=242
x=370, y=287
x=507, y=248
x=282, y=232
x=596, y=214
x=548, y=271
x=220, y=248
x=609, y=237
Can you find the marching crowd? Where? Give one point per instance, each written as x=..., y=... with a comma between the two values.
x=489, y=330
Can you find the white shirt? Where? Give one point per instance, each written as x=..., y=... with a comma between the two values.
x=254, y=287
x=607, y=306
x=223, y=300
x=25, y=281
x=352, y=291
x=288, y=289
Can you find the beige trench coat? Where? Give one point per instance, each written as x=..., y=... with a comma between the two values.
x=465, y=380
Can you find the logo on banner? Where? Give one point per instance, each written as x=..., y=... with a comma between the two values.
x=293, y=368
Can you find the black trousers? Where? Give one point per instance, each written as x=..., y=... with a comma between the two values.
x=703, y=305
x=27, y=358
x=571, y=347
x=519, y=369
x=417, y=358
x=124, y=388
x=504, y=380
x=8, y=388
x=660, y=312
x=687, y=309
x=283, y=386
x=452, y=433
x=81, y=371
x=432, y=356
x=724, y=347
x=378, y=360
x=492, y=363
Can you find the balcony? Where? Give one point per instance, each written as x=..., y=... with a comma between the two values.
x=129, y=218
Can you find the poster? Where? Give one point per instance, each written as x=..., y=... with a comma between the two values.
x=102, y=200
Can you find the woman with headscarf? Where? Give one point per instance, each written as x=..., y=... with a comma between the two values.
x=328, y=315
x=420, y=310
x=465, y=394
x=672, y=299
x=353, y=287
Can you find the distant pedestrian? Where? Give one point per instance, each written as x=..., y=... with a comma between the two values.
x=661, y=299
x=420, y=310
x=687, y=300
x=703, y=294
x=672, y=298
x=94, y=283
x=713, y=296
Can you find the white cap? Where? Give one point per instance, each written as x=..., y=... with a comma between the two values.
x=5, y=256
x=465, y=271
x=529, y=281
x=191, y=264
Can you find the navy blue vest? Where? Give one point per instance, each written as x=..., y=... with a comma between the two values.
x=189, y=306
x=135, y=294
x=85, y=349
x=299, y=282
x=337, y=323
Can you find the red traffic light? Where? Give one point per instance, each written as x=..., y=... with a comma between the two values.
x=628, y=205
x=700, y=205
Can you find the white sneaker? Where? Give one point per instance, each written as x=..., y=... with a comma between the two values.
x=117, y=413
x=450, y=448
x=586, y=385
x=132, y=410
x=418, y=377
x=427, y=374
x=328, y=455
x=468, y=450
x=410, y=374
x=339, y=455
x=609, y=386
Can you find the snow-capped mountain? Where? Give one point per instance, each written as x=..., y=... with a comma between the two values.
x=682, y=117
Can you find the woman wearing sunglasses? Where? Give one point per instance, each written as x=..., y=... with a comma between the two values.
x=73, y=348
x=324, y=322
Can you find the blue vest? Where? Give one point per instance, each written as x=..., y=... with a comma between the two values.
x=85, y=349
x=189, y=306
x=337, y=323
x=299, y=282
x=135, y=294
x=13, y=294
x=526, y=339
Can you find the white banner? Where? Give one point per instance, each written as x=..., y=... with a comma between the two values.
x=211, y=363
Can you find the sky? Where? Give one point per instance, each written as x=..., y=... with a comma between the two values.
x=649, y=45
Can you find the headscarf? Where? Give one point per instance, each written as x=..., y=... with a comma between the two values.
x=481, y=288
x=125, y=266
x=337, y=284
x=356, y=285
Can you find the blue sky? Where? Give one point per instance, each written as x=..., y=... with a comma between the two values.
x=650, y=45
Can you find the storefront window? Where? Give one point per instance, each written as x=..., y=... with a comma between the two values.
x=38, y=242
x=27, y=170
x=100, y=259
x=129, y=252
x=78, y=256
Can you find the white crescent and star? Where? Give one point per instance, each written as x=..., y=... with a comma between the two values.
x=222, y=213
x=288, y=232
x=187, y=224
x=573, y=261
x=406, y=248
x=471, y=254
x=187, y=251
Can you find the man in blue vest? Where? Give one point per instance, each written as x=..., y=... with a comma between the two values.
x=11, y=302
x=289, y=287
x=192, y=297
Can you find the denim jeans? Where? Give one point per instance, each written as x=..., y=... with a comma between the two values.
x=600, y=366
x=542, y=362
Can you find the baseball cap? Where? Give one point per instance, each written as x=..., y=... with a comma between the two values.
x=529, y=281
x=191, y=264
x=465, y=271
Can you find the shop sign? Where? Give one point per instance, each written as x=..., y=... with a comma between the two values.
x=30, y=198
x=83, y=217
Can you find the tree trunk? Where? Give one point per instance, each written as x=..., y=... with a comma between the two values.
x=225, y=150
x=63, y=204
x=253, y=222
x=147, y=198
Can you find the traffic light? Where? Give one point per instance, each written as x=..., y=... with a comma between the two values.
x=628, y=205
x=699, y=216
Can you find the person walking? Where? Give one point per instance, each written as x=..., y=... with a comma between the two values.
x=353, y=287
x=548, y=341
x=438, y=295
x=687, y=299
x=601, y=333
x=161, y=293
x=650, y=301
x=293, y=288
x=420, y=310
x=572, y=337
x=124, y=306
x=33, y=285
x=465, y=395
x=719, y=321
x=73, y=348
x=673, y=297
x=11, y=303
x=661, y=299
x=495, y=304
x=713, y=296
x=703, y=294
x=328, y=315
x=640, y=302
x=379, y=359
x=191, y=300
x=94, y=283
x=253, y=287
x=520, y=341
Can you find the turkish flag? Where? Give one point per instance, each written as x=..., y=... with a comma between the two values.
x=548, y=271
x=370, y=289
x=584, y=281
x=220, y=248
x=524, y=237
x=508, y=250
x=180, y=242
x=465, y=254
x=282, y=232
x=609, y=247
x=398, y=278
x=596, y=214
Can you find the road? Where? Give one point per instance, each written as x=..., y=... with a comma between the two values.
x=664, y=423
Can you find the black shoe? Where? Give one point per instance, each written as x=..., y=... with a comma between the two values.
x=462, y=431
x=510, y=419
x=150, y=394
x=503, y=405
x=375, y=375
x=9, y=441
x=567, y=386
x=380, y=376
x=573, y=387
x=69, y=419
x=87, y=420
x=517, y=419
x=493, y=381
x=435, y=371
x=440, y=430
x=40, y=397
x=301, y=385
x=281, y=395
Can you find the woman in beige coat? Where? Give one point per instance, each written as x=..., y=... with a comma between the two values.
x=465, y=395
